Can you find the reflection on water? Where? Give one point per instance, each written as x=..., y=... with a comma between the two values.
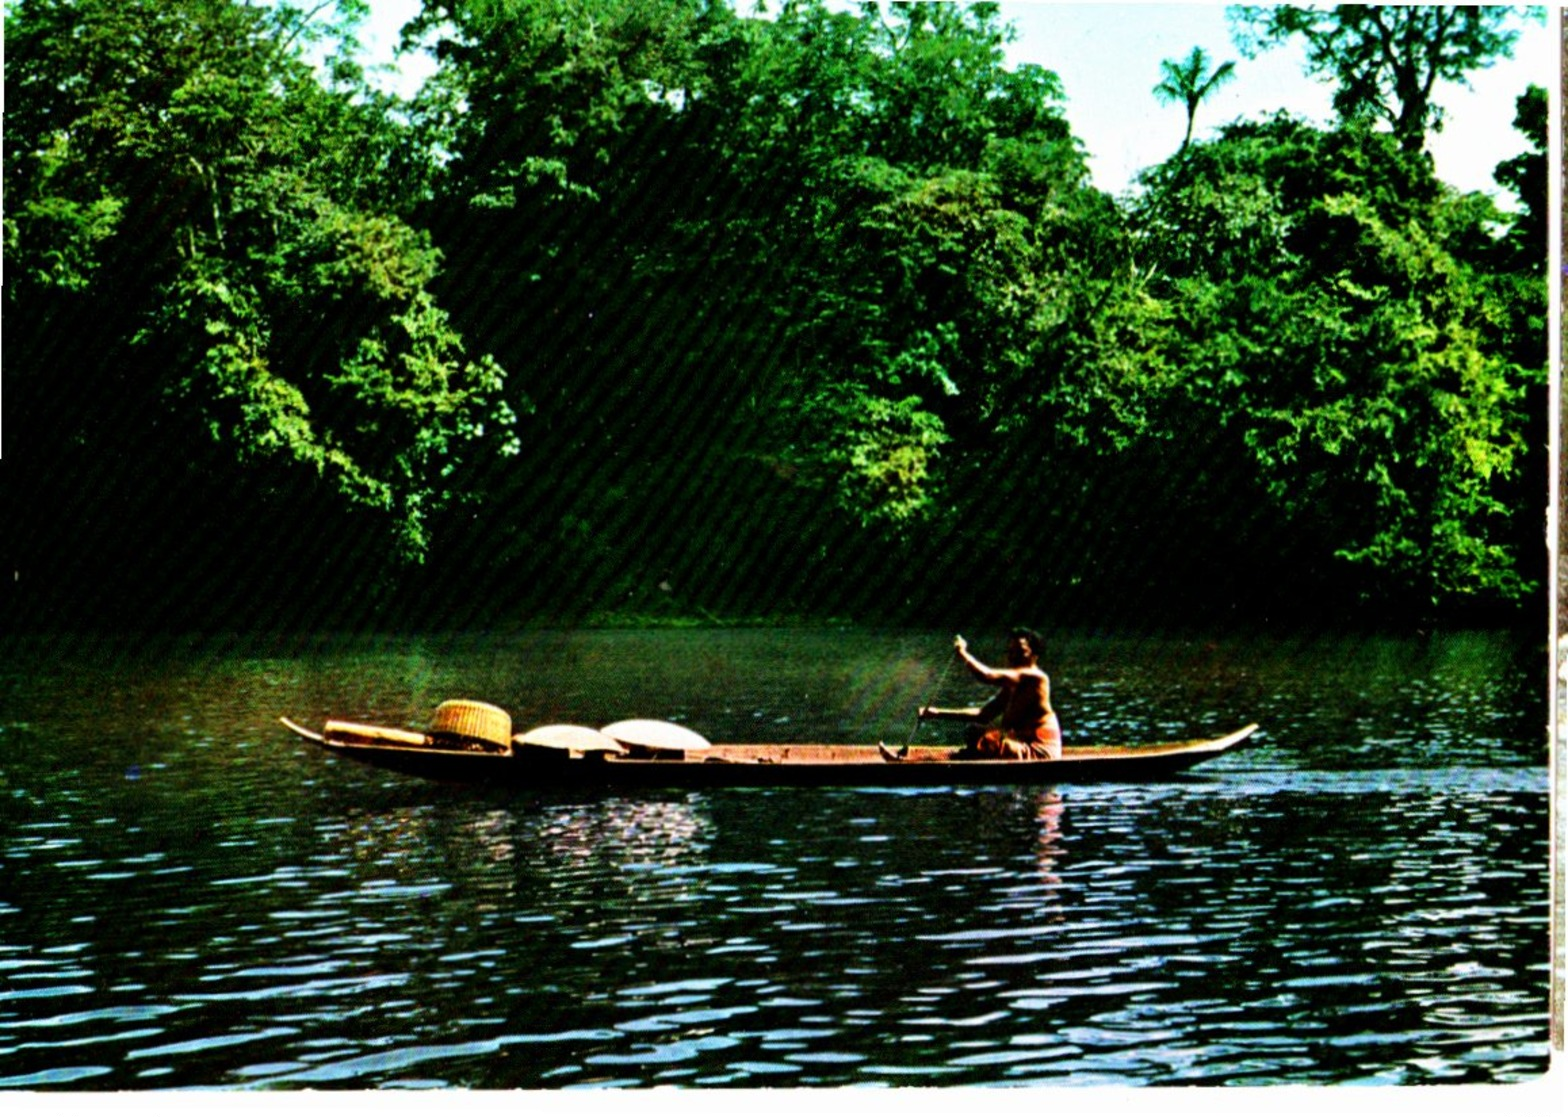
x=631, y=833
x=189, y=897
x=1048, y=814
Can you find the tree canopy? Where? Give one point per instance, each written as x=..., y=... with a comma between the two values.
x=1385, y=60
x=673, y=309
x=177, y=167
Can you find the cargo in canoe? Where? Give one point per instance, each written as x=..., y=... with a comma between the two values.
x=574, y=756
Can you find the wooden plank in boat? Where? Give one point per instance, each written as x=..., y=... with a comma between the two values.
x=353, y=733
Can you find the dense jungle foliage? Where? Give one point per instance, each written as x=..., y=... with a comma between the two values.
x=661, y=308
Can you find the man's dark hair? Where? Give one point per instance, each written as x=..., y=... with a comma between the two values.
x=1036, y=645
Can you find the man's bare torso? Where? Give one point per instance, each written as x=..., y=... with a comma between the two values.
x=1028, y=694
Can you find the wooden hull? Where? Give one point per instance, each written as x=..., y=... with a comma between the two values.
x=768, y=765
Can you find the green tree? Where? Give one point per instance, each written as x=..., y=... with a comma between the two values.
x=1526, y=175
x=1384, y=59
x=788, y=215
x=1333, y=327
x=935, y=88
x=952, y=251
x=185, y=165
x=1188, y=82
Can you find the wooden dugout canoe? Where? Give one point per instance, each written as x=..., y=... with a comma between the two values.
x=737, y=765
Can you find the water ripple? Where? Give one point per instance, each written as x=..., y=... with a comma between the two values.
x=1341, y=903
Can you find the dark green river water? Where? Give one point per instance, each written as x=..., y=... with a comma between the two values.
x=191, y=897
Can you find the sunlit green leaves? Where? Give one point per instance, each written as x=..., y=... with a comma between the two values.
x=1348, y=327
x=826, y=277
x=881, y=464
x=241, y=203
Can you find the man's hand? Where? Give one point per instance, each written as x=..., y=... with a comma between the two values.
x=960, y=645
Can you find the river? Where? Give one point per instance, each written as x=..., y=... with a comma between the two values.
x=191, y=897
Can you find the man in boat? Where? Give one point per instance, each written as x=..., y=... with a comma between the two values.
x=1028, y=729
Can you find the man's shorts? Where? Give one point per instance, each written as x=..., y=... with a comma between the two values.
x=1004, y=744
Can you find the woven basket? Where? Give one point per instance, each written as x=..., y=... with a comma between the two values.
x=473, y=721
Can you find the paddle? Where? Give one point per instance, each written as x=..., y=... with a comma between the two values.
x=890, y=754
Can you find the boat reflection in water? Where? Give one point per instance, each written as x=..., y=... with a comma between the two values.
x=639, y=831
x=1049, y=809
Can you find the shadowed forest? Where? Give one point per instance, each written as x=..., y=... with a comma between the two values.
x=664, y=310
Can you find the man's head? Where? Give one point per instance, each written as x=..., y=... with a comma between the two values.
x=1023, y=647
